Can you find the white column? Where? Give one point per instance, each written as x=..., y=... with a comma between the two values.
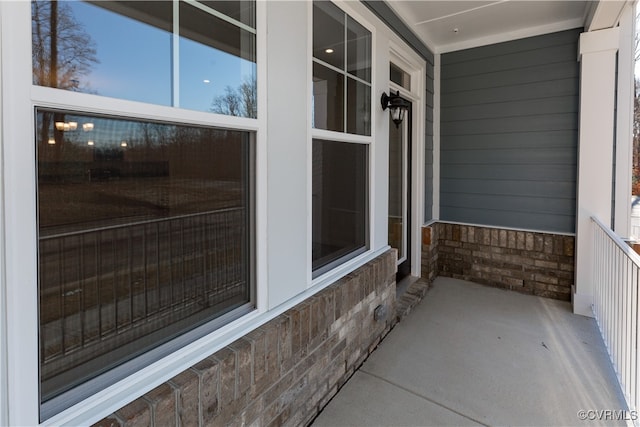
x=288, y=150
x=4, y=401
x=624, y=125
x=435, y=213
x=597, y=55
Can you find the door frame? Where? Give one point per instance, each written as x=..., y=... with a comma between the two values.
x=409, y=61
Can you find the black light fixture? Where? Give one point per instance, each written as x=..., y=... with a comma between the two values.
x=396, y=104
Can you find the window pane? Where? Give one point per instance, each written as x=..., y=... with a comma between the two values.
x=358, y=50
x=358, y=107
x=397, y=189
x=340, y=202
x=243, y=11
x=328, y=33
x=217, y=65
x=116, y=49
x=328, y=99
x=398, y=76
x=124, y=49
x=144, y=234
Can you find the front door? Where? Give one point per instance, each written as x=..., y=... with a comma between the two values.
x=400, y=193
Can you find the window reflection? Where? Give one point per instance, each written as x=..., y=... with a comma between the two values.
x=358, y=50
x=124, y=49
x=217, y=64
x=144, y=234
x=340, y=200
x=328, y=33
x=243, y=11
x=341, y=90
x=328, y=96
x=359, y=108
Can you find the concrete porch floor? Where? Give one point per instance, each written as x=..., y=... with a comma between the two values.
x=474, y=355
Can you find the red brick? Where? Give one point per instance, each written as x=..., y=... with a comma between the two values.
x=136, y=413
x=110, y=421
x=227, y=367
x=244, y=365
x=163, y=402
x=208, y=371
x=187, y=384
x=285, y=361
x=426, y=235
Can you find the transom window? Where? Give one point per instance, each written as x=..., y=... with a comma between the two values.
x=399, y=76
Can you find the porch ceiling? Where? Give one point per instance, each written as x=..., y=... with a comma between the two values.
x=485, y=22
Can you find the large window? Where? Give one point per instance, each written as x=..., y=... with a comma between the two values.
x=145, y=234
x=145, y=227
x=341, y=104
x=132, y=50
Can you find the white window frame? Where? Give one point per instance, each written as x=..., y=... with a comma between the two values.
x=18, y=264
x=328, y=135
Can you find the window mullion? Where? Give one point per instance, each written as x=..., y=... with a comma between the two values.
x=344, y=72
x=175, y=55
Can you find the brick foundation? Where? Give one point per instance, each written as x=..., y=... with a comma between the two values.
x=284, y=372
x=535, y=263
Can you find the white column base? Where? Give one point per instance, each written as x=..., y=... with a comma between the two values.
x=582, y=303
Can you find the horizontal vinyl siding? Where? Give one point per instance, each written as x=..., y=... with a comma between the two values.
x=428, y=147
x=509, y=133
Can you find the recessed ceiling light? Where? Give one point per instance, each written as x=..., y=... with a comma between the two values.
x=456, y=30
x=328, y=50
x=206, y=81
x=123, y=144
x=89, y=142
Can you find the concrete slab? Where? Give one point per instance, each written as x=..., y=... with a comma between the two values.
x=489, y=355
x=359, y=404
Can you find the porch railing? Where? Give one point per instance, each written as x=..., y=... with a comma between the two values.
x=616, y=274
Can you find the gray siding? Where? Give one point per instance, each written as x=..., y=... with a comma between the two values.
x=509, y=133
x=428, y=147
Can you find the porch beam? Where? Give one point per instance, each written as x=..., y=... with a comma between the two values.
x=597, y=56
x=604, y=14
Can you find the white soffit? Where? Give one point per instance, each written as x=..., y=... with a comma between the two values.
x=458, y=24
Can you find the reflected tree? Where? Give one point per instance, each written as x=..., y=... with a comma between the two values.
x=62, y=54
x=62, y=51
x=241, y=101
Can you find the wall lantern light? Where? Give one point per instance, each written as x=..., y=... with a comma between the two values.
x=396, y=104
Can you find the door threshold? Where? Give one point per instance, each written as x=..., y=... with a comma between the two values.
x=403, y=285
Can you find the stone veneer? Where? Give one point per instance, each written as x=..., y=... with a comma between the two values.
x=531, y=262
x=284, y=372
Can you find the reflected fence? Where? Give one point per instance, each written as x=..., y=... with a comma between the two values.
x=109, y=287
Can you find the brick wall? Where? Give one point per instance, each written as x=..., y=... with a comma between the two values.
x=430, y=252
x=283, y=372
x=530, y=262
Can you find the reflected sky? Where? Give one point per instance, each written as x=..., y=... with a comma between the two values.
x=136, y=64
